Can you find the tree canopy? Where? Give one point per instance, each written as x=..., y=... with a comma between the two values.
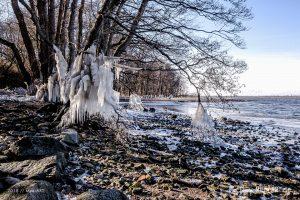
x=188, y=37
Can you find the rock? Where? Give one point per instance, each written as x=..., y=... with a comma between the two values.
x=3, y=147
x=174, y=117
x=46, y=168
x=44, y=125
x=183, y=197
x=35, y=146
x=21, y=133
x=48, y=108
x=6, y=182
x=139, y=166
x=2, y=187
x=11, y=180
x=152, y=110
x=110, y=194
x=254, y=194
x=70, y=136
x=138, y=190
x=30, y=190
x=144, y=177
x=282, y=172
x=88, y=165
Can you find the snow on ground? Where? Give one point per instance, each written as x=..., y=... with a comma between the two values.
x=268, y=156
x=171, y=128
x=16, y=98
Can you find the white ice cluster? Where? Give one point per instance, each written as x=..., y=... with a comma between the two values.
x=202, y=120
x=88, y=85
x=135, y=102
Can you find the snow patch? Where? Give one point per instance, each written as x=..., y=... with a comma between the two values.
x=135, y=102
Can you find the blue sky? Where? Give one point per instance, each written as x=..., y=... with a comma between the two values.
x=273, y=48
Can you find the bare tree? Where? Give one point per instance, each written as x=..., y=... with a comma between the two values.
x=19, y=60
x=190, y=37
x=26, y=39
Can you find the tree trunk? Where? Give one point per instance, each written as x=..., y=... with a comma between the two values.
x=59, y=21
x=51, y=17
x=80, y=25
x=44, y=48
x=51, y=27
x=26, y=39
x=18, y=57
x=111, y=34
x=126, y=41
x=106, y=9
x=63, y=38
x=71, y=33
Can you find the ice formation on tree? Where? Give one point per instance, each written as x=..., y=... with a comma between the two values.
x=40, y=93
x=135, y=102
x=87, y=85
x=201, y=119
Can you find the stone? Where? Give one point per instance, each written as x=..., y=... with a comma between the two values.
x=183, y=197
x=139, y=166
x=138, y=190
x=11, y=180
x=30, y=190
x=46, y=168
x=144, y=177
x=88, y=165
x=110, y=194
x=35, y=146
x=152, y=110
x=3, y=158
x=280, y=171
x=254, y=194
x=70, y=136
x=44, y=124
x=3, y=147
x=22, y=133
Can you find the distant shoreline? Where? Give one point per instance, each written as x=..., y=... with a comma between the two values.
x=214, y=99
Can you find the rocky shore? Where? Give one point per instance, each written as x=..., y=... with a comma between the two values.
x=152, y=155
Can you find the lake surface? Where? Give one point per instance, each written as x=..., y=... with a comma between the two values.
x=274, y=111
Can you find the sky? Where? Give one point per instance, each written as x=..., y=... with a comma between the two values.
x=273, y=48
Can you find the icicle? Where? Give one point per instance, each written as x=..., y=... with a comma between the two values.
x=61, y=64
x=40, y=92
x=118, y=71
x=91, y=88
x=74, y=82
x=86, y=82
x=135, y=102
x=201, y=119
x=50, y=86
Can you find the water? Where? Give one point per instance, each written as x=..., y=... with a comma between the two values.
x=273, y=111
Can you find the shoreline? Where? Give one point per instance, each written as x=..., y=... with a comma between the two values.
x=156, y=156
x=215, y=99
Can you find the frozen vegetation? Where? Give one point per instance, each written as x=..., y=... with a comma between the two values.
x=87, y=86
x=202, y=120
x=135, y=102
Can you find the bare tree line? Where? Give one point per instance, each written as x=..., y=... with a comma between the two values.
x=180, y=38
